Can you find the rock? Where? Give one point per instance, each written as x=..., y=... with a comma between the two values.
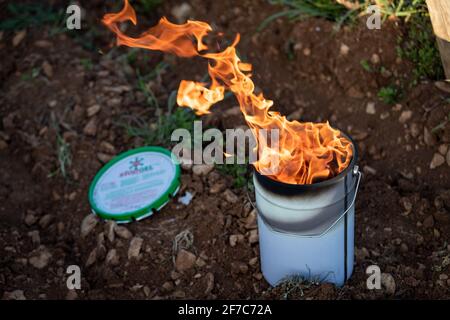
x=202, y=169
x=30, y=219
x=443, y=86
x=253, y=262
x=168, y=286
x=107, y=147
x=179, y=294
x=250, y=221
x=388, y=282
x=428, y=222
x=200, y=262
x=239, y=267
x=71, y=295
x=103, y=157
x=361, y=254
x=90, y=129
x=230, y=196
x=135, y=248
x=428, y=137
x=109, y=230
x=35, y=237
x=370, y=108
x=45, y=221
x=235, y=239
x=369, y=170
x=344, y=49
x=93, y=110
x=353, y=92
x=415, y=130
x=18, y=37
x=307, y=52
x=375, y=59
x=407, y=204
x=175, y=275
x=253, y=236
x=209, y=279
x=14, y=295
x=40, y=259
x=88, y=224
x=443, y=148
x=437, y=161
x=123, y=232
x=48, y=69
x=181, y=12
x=112, y=258
x=185, y=260
x=3, y=144
x=92, y=258
x=405, y=116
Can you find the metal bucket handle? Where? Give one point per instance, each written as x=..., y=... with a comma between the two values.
x=355, y=172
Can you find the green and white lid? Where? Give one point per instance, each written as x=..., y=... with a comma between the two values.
x=135, y=184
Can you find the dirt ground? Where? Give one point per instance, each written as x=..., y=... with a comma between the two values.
x=312, y=73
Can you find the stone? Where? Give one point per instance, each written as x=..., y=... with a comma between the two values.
x=123, y=232
x=414, y=129
x=88, y=224
x=14, y=295
x=35, y=237
x=253, y=236
x=40, y=259
x=103, y=157
x=370, y=108
x=181, y=12
x=93, y=110
x=428, y=137
x=168, y=286
x=375, y=59
x=405, y=116
x=112, y=258
x=353, y=92
x=92, y=258
x=30, y=219
x=344, y=49
x=202, y=169
x=239, y=267
x=443, y=148
x=45, y=221
x=48, y=69
x=107, y=147
x=185, y=260
x=18, y=37
x=235, y=239
x=230, y=196
x=388, y=282
x=135, y=248
x=437, y=161
x=209, y=279
x=250, y=221
x=307, y=52
x=90, y=129
x=109, y=230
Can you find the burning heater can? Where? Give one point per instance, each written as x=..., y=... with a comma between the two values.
x=307, y=230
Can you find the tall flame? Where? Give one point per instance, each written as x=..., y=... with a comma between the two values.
x=306, y=153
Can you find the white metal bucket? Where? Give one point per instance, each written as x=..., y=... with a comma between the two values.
x=308, y=233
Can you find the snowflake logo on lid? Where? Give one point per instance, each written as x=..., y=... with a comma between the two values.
x=136, y=163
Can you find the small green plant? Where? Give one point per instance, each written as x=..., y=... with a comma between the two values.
x=87, y=64
x=301, y=9
x=239, y=172
x=389, y=95
x=32, y=74
x=147, y=6
x=64, y=157
x=366, y=65
x=21, y=16
x=419, y=46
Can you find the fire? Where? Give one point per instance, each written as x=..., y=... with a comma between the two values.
x=306, y=153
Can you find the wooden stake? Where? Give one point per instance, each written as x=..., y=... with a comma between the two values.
x=440, y=18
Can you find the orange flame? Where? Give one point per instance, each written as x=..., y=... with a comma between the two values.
x=306, y=153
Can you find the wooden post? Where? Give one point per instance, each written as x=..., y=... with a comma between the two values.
x=440, y=18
